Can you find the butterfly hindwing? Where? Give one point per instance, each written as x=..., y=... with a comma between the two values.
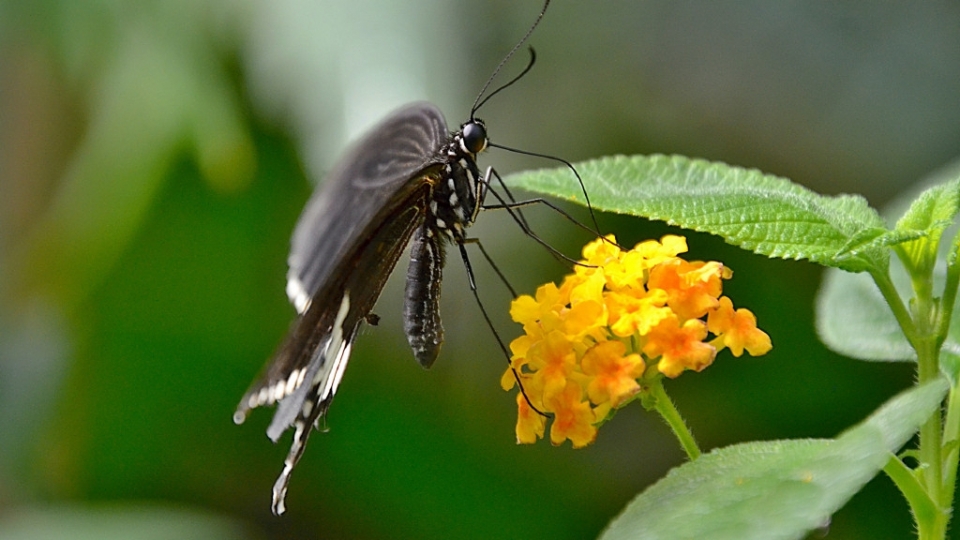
x=323, y=337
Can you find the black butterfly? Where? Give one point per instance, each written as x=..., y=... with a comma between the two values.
x=407, y=178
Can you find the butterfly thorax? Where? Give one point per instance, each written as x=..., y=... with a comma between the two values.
x=458, y=193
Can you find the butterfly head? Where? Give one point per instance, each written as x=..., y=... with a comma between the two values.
x=473, y=137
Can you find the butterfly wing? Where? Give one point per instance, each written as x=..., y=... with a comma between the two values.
x=360, y=188
x=344, y=247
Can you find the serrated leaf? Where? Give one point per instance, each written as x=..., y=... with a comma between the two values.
x=930, y=214
x=777, y=489
x=853, y=319
x=872, y=239
x=762, y=213
x=934, y=209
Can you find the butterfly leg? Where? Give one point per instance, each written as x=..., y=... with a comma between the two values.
x=483, y=310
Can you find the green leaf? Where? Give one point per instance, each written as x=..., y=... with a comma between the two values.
x=765, y=214
x=950, y=365
x=852, y=317
x=871, y=239
x=928, y=216
x=854, y=320
x=934, y=209
x=775, y=489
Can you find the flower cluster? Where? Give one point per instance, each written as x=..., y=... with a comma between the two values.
x=621, y=318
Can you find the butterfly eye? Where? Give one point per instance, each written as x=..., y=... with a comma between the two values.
x=474, y=137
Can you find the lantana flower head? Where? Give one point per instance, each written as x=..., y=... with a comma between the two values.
x=622, y=319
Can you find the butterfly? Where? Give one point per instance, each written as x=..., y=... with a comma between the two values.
x=409, y=180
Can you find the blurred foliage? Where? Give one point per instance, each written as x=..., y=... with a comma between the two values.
x=155, y=155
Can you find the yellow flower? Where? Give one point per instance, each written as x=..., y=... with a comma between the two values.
x=530, y=424
x=614, y=373
x=539, y=312
x=599, y=252
x=679, y=347
x=620, y=318
x=573, y=417
x=737, y=330
x=692, y=287
x=554, y=361
x=636, y=313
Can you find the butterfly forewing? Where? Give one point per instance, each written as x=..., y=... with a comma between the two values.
x=393, y=154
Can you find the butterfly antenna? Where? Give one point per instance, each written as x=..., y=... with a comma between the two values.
x=477, y=102
x=533, y=60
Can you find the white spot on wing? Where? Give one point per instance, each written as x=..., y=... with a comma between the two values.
x=339, y=365
x=278, y=389
x=298, y=295
x=291, y=383
x=337, y=353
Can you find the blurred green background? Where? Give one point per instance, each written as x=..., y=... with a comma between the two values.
x=154, y=157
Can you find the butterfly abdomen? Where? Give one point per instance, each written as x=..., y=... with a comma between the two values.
x=421, y=308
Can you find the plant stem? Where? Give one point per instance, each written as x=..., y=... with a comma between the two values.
x=949, y=296
x=924, y=509
x=920, y=325
x=931, y=447
x=951, y=426
x=927, y=345
x=900, y=311
x=951, y=446
x=664, y=405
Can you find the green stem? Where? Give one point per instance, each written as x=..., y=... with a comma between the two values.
x=951, y=448
x=920, y=325
x=927, y=346
x=931, y=436
x=664, y=405
x=922, y=337
x=900, y=311
x=949, y=296
x=951, y=426
x=924, y=509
